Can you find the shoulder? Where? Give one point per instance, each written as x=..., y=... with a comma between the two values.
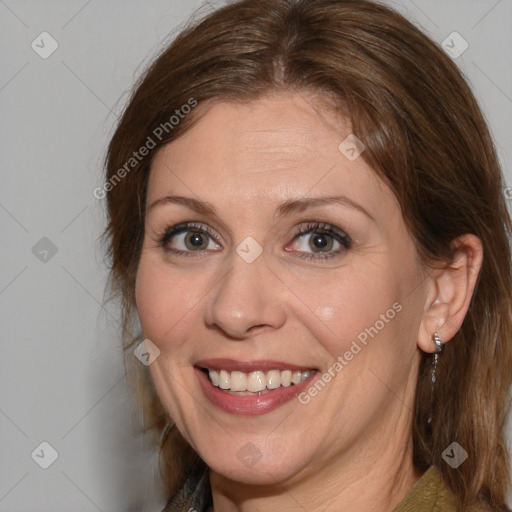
x=485, y=507
x=431, y=494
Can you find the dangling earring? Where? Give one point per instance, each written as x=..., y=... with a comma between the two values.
x=435, y=360
x=439, y=348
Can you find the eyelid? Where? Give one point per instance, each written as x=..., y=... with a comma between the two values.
x=325, y=227
x=188, y=226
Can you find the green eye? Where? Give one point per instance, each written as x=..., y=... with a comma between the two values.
x=189, y=238
x=316, y=241
x=320, y=241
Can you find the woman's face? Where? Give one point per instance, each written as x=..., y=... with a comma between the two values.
x=297, y=259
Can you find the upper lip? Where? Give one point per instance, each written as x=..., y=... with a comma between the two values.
x=249, y=366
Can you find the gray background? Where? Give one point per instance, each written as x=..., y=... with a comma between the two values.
x=60, y=367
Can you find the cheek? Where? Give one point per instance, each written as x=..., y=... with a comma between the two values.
x=362, y=306
x=164, y=301
x=345, y=305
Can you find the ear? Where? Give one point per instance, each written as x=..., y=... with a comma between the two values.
x=449, y=292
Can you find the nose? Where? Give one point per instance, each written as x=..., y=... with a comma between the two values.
x=246, y=299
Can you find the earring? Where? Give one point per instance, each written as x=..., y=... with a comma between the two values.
x=439, y=348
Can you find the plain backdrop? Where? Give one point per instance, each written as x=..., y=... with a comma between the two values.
x=60, y=366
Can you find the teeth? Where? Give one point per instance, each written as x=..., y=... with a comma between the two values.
x=237, y=381
x=286, y=378
x=214, y=377
x=224, y=379
x=273, y=379
x=258, y=381
x=296, y=377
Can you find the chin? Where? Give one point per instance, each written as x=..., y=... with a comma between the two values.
x=258, y=466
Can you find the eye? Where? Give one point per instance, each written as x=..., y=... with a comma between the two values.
x=312, y=242
x=187, y=238
x=322, y=240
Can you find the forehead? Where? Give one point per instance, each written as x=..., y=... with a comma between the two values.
x=272, y=149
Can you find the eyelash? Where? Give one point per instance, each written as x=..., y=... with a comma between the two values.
x=312, y=227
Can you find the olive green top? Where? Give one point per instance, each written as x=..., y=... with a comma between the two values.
x=429, y=494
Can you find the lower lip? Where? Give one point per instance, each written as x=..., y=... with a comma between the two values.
x=251, y=405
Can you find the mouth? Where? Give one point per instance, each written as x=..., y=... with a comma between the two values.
x=257, y=382
x=252, y=387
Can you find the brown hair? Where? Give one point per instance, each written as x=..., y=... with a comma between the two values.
x=425, y=136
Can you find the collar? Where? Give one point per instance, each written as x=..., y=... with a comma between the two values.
x=429, y=494
x=194, y=495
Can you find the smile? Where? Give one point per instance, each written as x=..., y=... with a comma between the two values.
x=250, y=388
x=256, y=382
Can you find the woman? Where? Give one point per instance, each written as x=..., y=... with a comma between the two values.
x=306, y=212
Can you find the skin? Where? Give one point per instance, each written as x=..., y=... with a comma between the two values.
x=350, y=447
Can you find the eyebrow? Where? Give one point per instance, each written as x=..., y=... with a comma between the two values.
x=284, y=209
